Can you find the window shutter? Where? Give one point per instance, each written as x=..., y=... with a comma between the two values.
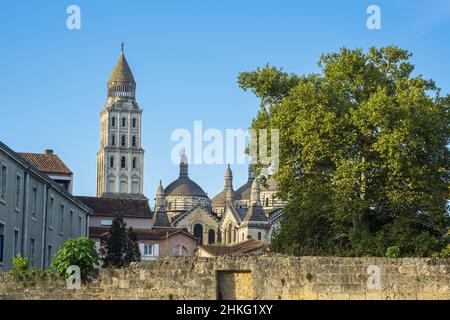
x=156, y=250
x=141, y=248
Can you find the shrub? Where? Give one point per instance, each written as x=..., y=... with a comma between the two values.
x=392, y=252
x=20, y=263
x=76, y=251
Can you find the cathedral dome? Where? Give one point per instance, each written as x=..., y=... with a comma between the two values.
x=244, y=192
x=183, y=186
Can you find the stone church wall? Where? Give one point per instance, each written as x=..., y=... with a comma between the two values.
x=255, y=277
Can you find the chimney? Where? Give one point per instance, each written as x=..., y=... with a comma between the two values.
x=48, y=151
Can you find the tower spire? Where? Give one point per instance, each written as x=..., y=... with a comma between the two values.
x=122, y=44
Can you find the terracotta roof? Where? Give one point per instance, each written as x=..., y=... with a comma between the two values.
x=46, y=162
x=110, y=207
x=245, y=247
x=144, y=234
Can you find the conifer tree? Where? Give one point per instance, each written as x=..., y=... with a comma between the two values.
x=119, y=247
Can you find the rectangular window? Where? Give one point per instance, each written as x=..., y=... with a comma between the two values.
x=61, y=219
x=148, y=250
x=80, y=228
x=32, y=252
x=18, y=191
x=2, y=241
x=16, y=249
x=3, y=183
x=51, y=213
x=71, y=223
x=33, y=202
x=106, y=222
x=49, y=254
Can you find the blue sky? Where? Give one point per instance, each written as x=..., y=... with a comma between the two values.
x=185, y=57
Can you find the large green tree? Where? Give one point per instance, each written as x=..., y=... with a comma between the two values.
x=363, y=154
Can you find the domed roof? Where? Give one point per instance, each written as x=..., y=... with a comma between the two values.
x=244, y=192
x=184, y=186
x=122, y=72
x=220, y=198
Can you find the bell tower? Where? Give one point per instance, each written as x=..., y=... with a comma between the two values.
x=120, y=161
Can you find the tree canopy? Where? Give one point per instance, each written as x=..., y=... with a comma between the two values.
x=363, y=154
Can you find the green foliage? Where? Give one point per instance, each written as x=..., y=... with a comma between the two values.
x=363, y=154
x=445, y=252
x=392, y=252
x=119, y=247
x=20, y=263
x=76, y=251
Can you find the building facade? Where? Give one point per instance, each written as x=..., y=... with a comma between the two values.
x=37, y=214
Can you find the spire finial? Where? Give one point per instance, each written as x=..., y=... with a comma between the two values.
x=121, y=46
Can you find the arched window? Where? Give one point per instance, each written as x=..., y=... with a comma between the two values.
x=134, y=122
x=170, y=205
x=267, y=202
x=113, y=121
x=229, y=234
x=211, y=236
x=198, y=232
x=124, y=121
x=259, y=235
x=113, y=140
x=123, y=141
x=133, y=141
x=122, y=163
x=111, y=162
x=134, y=162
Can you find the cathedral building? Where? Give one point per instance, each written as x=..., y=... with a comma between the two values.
x=250, y=212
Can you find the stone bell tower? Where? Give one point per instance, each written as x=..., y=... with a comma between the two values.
x=120, y=161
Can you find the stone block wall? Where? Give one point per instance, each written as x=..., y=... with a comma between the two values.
x=255, y=277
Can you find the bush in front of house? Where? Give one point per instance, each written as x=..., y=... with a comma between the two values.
x=80, y=252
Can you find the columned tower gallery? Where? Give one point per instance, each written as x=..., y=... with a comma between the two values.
x=120, y=161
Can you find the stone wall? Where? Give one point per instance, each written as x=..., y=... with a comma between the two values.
x=255, y=277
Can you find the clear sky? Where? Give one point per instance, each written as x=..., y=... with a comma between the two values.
x=185, y=57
